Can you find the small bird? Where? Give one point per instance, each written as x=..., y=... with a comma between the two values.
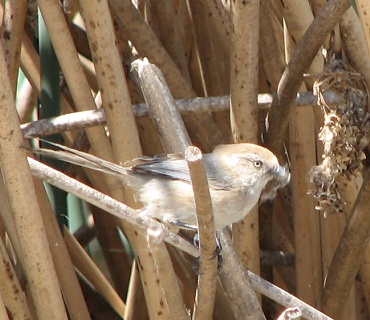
x=239, y=175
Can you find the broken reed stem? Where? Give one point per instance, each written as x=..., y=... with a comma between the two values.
x=161, y=105
x=208, y=259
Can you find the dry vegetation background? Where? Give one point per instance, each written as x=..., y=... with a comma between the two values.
x=222, y=57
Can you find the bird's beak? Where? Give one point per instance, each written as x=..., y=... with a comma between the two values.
x=281, y=175
x=280, y=178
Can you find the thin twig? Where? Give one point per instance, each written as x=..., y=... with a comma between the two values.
x=161, y=104
x=82, y=119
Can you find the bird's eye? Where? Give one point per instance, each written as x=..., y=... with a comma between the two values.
x=257, y=163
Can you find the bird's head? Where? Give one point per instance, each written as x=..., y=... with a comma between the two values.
x=253, y=166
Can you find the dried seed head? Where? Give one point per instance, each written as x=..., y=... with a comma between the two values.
x=345, y=133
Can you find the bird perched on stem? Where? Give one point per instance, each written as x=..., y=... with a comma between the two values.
x=239, y=175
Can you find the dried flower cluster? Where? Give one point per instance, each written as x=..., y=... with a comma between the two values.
x=345, y=133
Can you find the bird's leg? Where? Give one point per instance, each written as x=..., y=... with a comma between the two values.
x=216, y=254
x=183, y=225
x=218, y=250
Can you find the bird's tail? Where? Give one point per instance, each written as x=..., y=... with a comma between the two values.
x=82, y=159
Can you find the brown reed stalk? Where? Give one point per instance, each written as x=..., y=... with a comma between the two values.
x=12, y=29
x=193, y=48
x=303, y=157
x=11, y=291
x=244, y=112
x=299, y=63
x=37, y=258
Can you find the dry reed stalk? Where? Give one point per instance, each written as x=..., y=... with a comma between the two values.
x=354, y=43
x=348, y=256
x=244, y=112
x=10, y=288
x=77, y=120
x=162, y=107
x=3, y=310
x=293, y=75
x=70, y=287
x=168, y=31
x=32, y=238
x=30, y=64
x=298, y=17
x=79, y=37
x=201, y=128
x=219, y=17
x=317, y=5
x=242, y=299
x=7, y=220
x=90, y=74
x=234, y=286
x=270, y=53
x=167, y=120
x=349, y=191
x=116, y=255
x=148, y=45
x=273, y=233
x=12, y=29
x=67, y=54
x=212, y=47
x=73, y=73
x=363, y=8
x=306, y=220
x=112, y=80
x=26, y=101
x=208, y=263
x=135, y=302
x=166, y=276
x=90, y=271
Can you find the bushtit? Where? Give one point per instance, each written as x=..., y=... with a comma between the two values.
x=239, y=175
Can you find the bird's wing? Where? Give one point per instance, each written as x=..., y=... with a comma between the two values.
x=168, y=166
x=174, y=167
